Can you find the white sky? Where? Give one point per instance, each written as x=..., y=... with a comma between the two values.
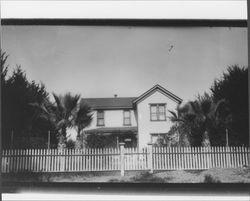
x=103, y=61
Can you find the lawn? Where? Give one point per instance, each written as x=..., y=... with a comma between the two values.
x=240, y=175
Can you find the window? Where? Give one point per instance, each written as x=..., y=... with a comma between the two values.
x=158, y=112
x=158, y=138
x=100, y=118
x=126, y=118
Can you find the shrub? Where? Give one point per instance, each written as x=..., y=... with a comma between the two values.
x=147, y=177
x=70, y=144
x=210, y=179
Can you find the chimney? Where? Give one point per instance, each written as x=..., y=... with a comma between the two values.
x=115, y=95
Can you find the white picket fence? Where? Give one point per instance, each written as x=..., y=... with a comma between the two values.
x=198, y=158
x=110, y=159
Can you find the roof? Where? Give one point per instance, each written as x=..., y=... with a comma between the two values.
x=116, y=130
x=127, y=102
x=161, y=89
x=110, y=103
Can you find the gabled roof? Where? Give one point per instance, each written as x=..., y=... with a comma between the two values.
x=159, y=88
x=110, y=103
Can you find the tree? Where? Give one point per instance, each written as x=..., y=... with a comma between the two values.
x=63, y=112
x=82, y=119
x=18, y=115
x=66, y=112
x=233, y=88
x=182, y=120
x=196, y=119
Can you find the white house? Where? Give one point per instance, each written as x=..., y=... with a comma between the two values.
x=133, y=120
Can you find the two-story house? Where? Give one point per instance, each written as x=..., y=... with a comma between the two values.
x=133, y=120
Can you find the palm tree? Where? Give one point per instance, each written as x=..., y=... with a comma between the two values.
x=183, y=118
x=196, y=117
x=64, y=111
x=207, y=112
x=82, y=119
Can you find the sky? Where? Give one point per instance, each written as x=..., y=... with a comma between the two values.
x=100, y=61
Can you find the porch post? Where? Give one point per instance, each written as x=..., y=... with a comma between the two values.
x=150, y=157
x=122, y=163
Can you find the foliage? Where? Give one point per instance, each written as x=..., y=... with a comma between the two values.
x=195, y=120
x=82, y=119
x=233, y=88
x=147, y=177
x=62, y=113
x=66, y=112
x=70, y=144
x=210, y=179
x=204, y=121
x=18, y=115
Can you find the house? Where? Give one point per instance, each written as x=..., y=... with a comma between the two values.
x=133, y=120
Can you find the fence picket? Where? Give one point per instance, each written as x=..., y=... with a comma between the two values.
x=247, y=155
x=193, y=161
x=214, y=157
x=7, y=155
x=3, y=158
x=240, y=156
x=244, y=156
x=220, y=157
x=43, y=160
x=14, y=161
x=237, y=156
x=170, y=165
x=39, y=160
x=35, y=160
x=52, y=153
x=101, y=159
x=164, y=157
x=231, y=156
x=154, y=158
x=186, y=152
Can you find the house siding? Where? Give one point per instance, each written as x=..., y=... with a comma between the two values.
x=112, y=118
x=145, y=125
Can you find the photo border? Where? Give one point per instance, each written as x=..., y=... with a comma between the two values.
x=125, y=188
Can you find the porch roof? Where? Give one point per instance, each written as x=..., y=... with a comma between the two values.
x=117, y=130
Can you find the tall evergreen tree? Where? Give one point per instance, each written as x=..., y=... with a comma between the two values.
x=233, y=87
x=20, y=119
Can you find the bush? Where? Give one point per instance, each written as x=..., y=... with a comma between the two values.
x=210, y=179
x=147, y=177
x=70, y=144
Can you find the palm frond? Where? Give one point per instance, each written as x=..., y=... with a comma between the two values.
x=70, y=103
x=58, y=101
x=83, y=116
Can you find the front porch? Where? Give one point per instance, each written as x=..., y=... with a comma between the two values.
x=111, y=137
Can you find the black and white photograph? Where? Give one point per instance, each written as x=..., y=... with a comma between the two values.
x=125, y=101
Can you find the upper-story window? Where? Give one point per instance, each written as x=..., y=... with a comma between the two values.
x=100, y=118
x=158, y=112
x=126, y=118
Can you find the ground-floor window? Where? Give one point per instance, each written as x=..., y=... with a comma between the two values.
x=158, y=138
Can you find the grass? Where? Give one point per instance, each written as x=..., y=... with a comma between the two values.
x=196, y=172
x=236, y=175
